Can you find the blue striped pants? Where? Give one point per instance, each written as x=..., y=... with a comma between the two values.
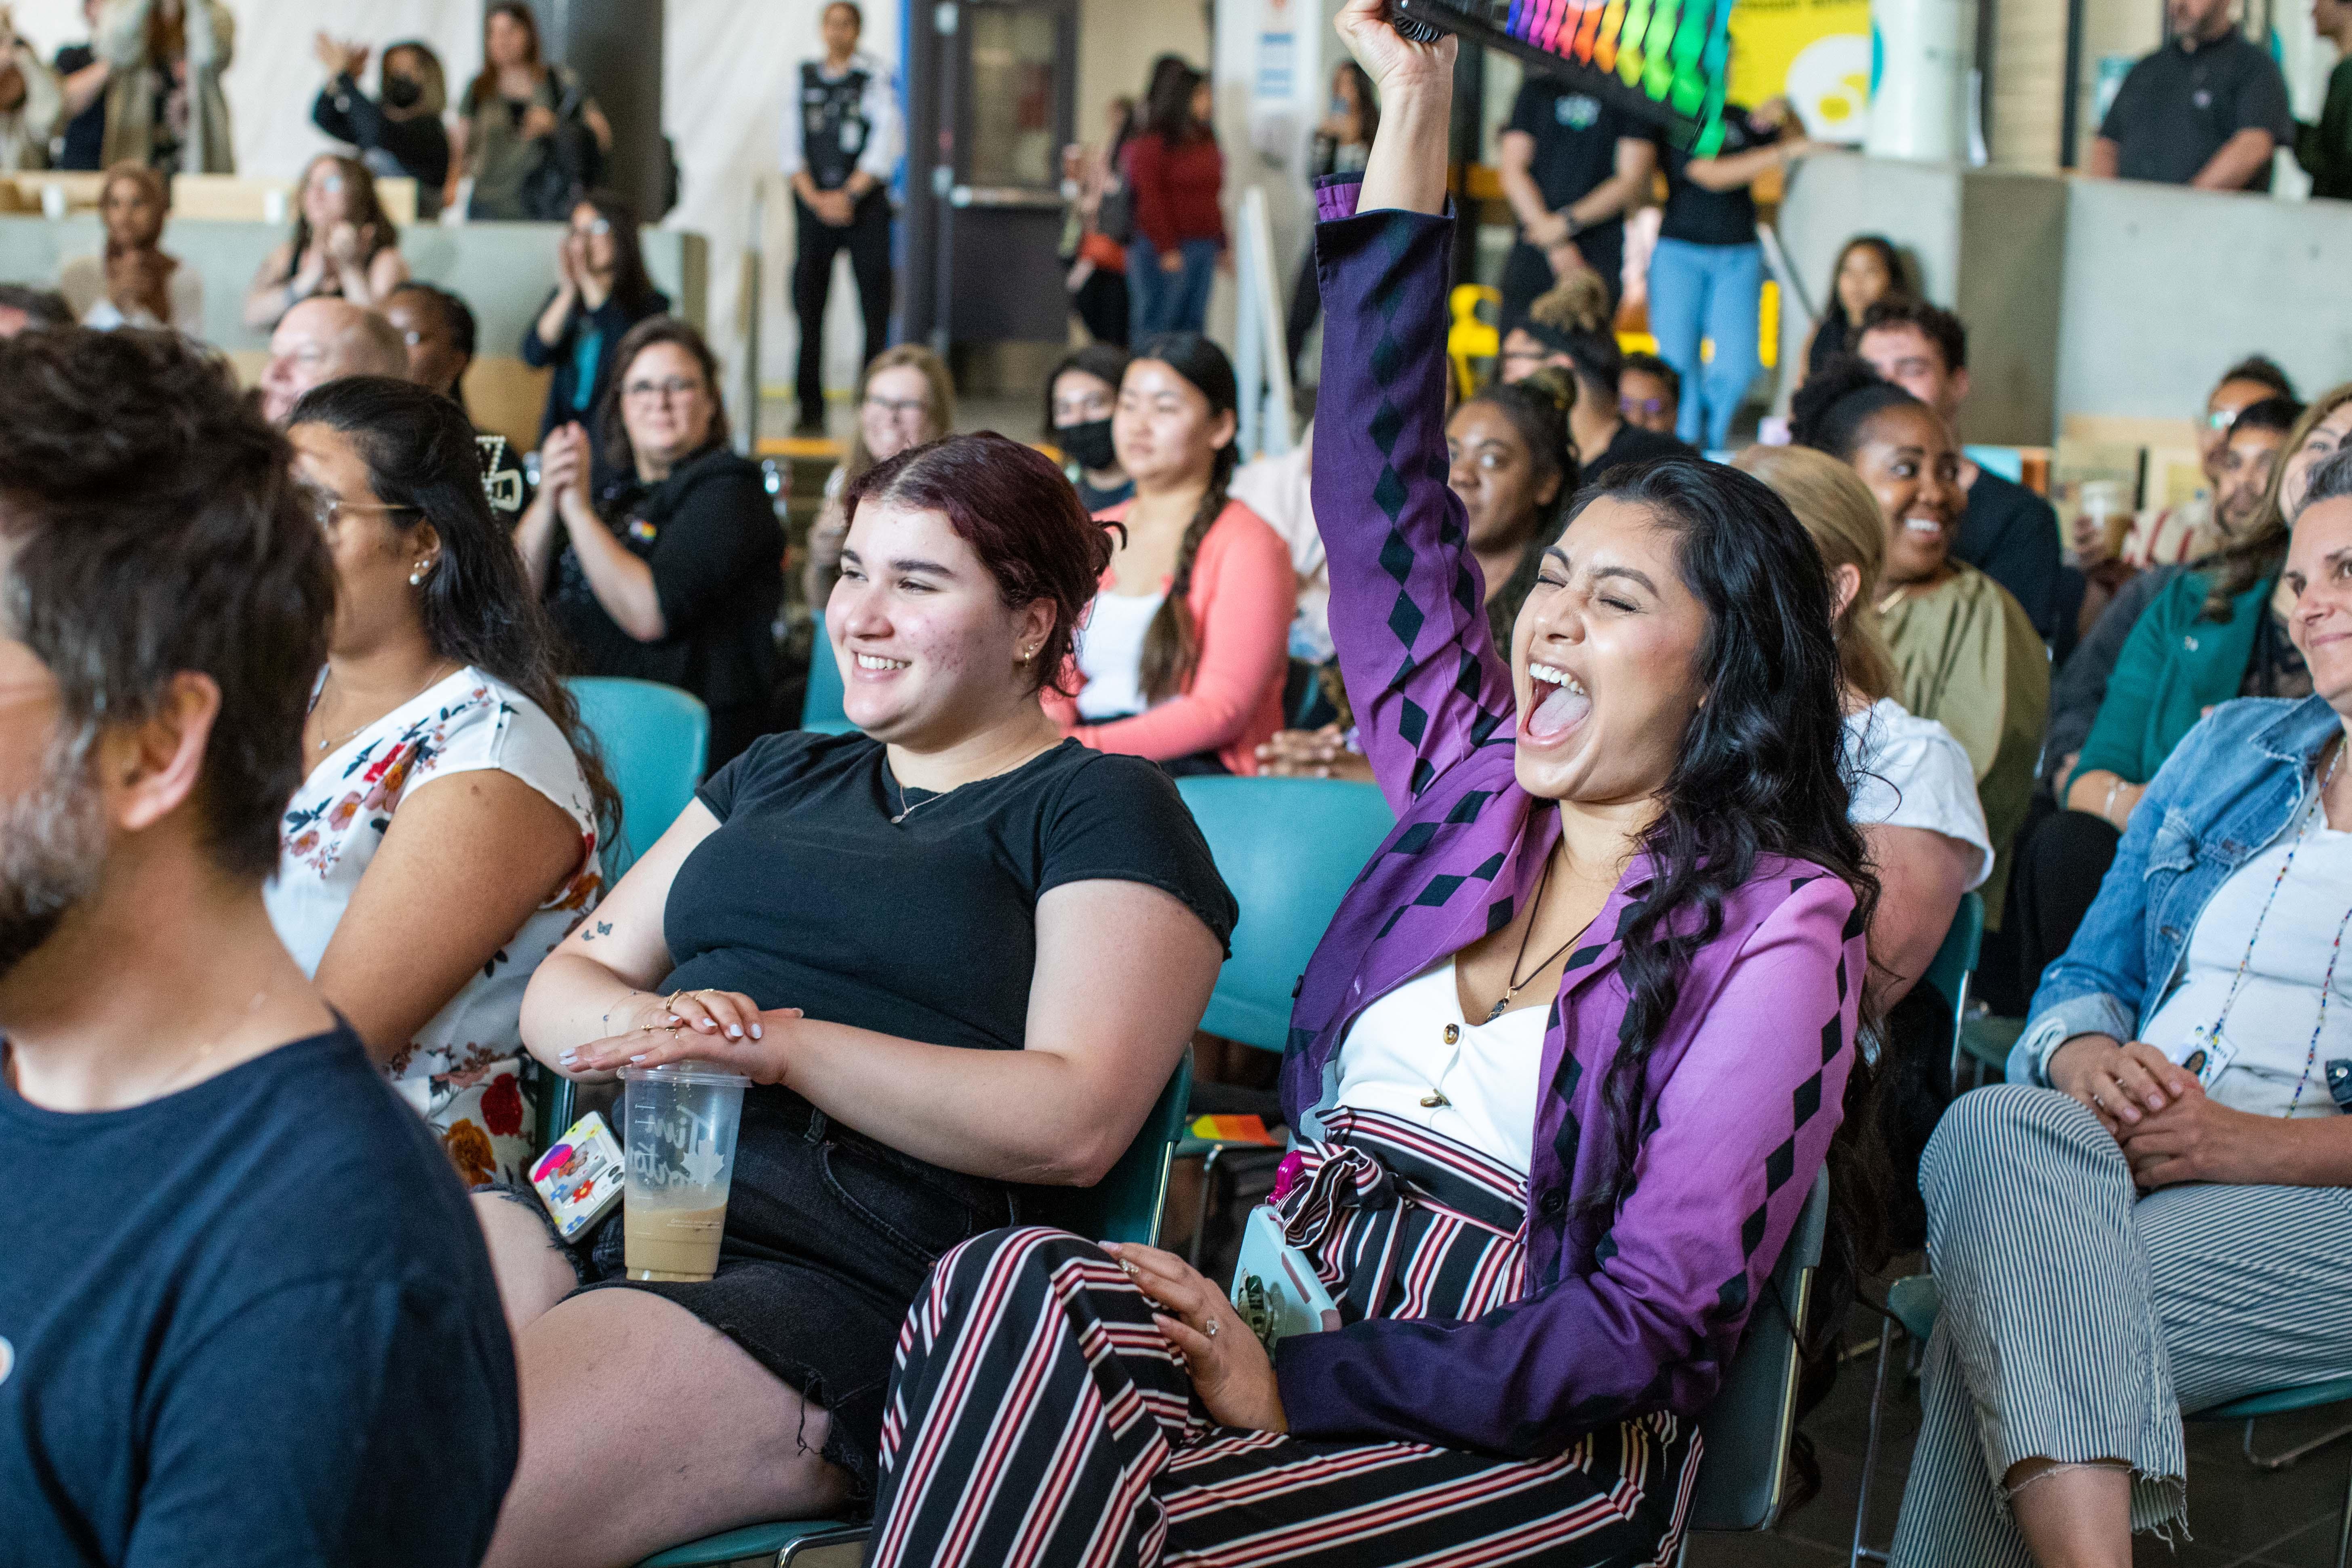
x=2079, y=1319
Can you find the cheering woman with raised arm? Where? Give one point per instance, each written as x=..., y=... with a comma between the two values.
x=1617, y=935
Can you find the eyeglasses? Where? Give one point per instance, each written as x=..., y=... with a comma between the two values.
x=677, y=387
x=330, y=509
x=2221, y=418
x=1653, y=406
x=898, y=407
x=596, y=230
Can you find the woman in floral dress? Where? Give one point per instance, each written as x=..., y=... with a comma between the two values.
x=445, y=837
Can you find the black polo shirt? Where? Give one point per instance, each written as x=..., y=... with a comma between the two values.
x=2177, y=108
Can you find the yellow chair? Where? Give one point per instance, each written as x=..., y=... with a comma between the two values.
x=1472, y=337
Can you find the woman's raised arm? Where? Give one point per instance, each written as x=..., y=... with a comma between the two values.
x=1407, y=606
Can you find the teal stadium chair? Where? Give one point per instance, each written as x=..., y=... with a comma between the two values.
x=1954, y=966
x=1914, y=1302
x=655, y=739
x=821, y=710
x=1744, y=1463
x=1289, y=849
x=1123, y=1206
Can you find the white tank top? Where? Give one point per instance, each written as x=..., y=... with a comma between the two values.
x=1413, y=1045
x=1110, y=654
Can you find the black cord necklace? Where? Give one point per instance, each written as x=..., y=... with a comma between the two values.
x=1535, y=911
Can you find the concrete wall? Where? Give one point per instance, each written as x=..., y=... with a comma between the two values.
x=2108, y=298
x=2165, y=288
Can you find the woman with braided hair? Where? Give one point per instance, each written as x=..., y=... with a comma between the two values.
x=1186, y=647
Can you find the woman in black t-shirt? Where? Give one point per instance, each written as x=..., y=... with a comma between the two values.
x=958, y=954
x=1707, y=275
x=672, y=574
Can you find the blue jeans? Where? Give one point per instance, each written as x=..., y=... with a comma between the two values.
x=1708, y=290
x=1167, y=301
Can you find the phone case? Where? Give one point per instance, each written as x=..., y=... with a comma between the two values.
x=581, y=1177
x=1274, y=1287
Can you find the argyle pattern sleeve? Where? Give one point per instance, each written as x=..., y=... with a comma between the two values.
x=1627, y=1311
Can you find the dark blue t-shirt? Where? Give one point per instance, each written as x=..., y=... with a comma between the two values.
x=85, y=134
x=251, y=1322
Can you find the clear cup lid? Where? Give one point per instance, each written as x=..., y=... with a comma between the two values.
x=691, y=1072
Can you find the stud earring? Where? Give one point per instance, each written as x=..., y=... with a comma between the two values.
x=417, y=577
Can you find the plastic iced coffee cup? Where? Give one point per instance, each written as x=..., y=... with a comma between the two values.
x=681, y=1121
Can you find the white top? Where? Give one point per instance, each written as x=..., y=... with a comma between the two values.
x=1911, y=773
x=1110, y=654
x=880, y=104
x=1413, y=1045
x=82, y=281
x=469, y=723
x=1280, y=489
x=2263, y=1044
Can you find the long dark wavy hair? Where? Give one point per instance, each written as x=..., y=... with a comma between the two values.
x=1761, y=771
x=422, y=457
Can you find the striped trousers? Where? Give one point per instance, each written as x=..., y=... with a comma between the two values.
x=1037, y=1416
x=2080, y=1318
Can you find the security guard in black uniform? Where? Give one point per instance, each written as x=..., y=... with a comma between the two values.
x=841, y=148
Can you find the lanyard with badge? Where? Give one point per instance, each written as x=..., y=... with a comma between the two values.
x=2210, y=1055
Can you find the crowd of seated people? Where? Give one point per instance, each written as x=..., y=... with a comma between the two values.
x=1694, y=763
x=2204, y=633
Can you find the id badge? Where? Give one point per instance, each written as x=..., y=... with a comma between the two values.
x=1274, y=1287
x=2210, y=1060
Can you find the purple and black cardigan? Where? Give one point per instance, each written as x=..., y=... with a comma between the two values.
x=1626, y=1313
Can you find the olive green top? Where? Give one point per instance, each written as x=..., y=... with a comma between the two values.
x=1966, y=657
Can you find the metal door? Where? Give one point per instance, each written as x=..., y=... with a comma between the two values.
x=998, y=107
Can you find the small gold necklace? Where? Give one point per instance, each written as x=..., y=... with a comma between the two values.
x=441, y=672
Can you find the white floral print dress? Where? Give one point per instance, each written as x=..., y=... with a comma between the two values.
x=464, y=1070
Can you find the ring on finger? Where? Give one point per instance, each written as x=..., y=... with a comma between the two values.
x=1209, y=1329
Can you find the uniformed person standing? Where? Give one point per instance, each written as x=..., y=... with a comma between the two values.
x=841, y=148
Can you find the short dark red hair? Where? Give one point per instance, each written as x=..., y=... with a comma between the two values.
x=1019, y=516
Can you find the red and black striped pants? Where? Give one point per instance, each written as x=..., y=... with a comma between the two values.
x=1037, y=1417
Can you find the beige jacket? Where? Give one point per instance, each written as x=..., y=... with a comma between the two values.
x=120, y=40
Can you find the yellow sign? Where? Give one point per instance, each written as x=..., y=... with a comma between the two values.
x=1815, y=53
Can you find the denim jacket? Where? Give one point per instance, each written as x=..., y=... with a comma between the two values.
x=2228, y=789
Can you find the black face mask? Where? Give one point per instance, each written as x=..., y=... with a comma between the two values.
x=1087, y=444
x=403, y=92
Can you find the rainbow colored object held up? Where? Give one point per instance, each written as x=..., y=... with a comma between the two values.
x=1665, y=59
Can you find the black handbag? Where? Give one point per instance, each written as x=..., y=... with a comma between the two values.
x=570, y=162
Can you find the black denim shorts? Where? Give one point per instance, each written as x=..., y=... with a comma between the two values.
x=830, y=1237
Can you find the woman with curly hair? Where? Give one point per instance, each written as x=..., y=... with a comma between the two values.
x=1617, y=932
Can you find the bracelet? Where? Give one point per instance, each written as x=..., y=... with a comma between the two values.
x=2107, y=807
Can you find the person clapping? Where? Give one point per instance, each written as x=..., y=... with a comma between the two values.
x=342, y=245
x=399, y=131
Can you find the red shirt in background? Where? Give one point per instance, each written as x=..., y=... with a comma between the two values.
x=1175, y=189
